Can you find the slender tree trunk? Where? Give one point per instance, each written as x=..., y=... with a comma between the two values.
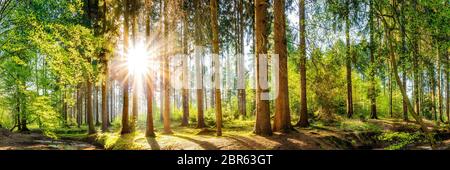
x=215, y=43
x=185, y=74
x=90, y=120
x=348, y=64
x=240, y=66
x=447, y=85
x=433, y=93
x=372, y=87
x=135, y=92
x=104, y=81
x=303, y=121
x=166, y=72
x=439, y=89
x=198, y=65
x=282, y=122
x=391, y=113
x=262, y=125
x=149, y=132
x=405, y=102
x=125, y=121
x=79, y=106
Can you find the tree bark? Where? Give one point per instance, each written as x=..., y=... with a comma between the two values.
x=348, y=64
x=262, y=125
x=215, y=44
x=90, y=118
x=282, y=122
x=166, y=73
x=372, y=87
x=185, y=74
x=125, y=121
x=242, y=102
x=303, y=121
x=198, y=65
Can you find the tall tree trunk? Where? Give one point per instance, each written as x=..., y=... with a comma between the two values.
x=405, y=102
x=104, y=81
x=198, y=64
x=433, y=93
x=90, y=117
x=391, y=113
x=439, y=89
x=149, y=132
x=403, y=54
x=262, y=125
x=79, y=106
x=125, y=121
x=135, y=92
x=348, y=64
x=303, y=121
x=241, y=64
x=282, y=122
x=185, y=74
x=166, y=72
x=215, y=44
x=447, y=85
x=372, y=87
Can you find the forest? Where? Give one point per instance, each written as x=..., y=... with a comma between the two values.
x=224, y=74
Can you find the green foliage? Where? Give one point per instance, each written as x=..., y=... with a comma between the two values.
x=399, y=140
x=41, y=111
x=358, y=126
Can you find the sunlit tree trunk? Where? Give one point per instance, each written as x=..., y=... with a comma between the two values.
x=199, y=80
x=262, y=125
x=348, y=64
x=403, y=53
x=79, y=106
x=303, y=121
x=215, y=44
x=90, y=117
x=447, y=72
x=433, y=92
x=282, y=122
x=439, y=89
x=166, y=72
x=372, y=86
x=104, y=81
x=125, y=121
x=149, y=132
x=185, y=74
x=242, y=102
x=135, y=92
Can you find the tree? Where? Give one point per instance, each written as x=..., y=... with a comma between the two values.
x=149, y=132
x=125, y=122
x=166, y=71
x=303, y=122
x=242, y=103
x=372, y=87
x=104, y=82
x=185, y=75
x=216, y=51
x=134, y=32
x=282, y=120
x=262, y=124
x=199, y=80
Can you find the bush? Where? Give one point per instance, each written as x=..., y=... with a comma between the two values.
x=399, y=140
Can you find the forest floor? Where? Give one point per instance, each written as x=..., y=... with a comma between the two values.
x=346, y=134
x=35, y=140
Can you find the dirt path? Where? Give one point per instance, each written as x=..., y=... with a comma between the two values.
x=37, y=141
